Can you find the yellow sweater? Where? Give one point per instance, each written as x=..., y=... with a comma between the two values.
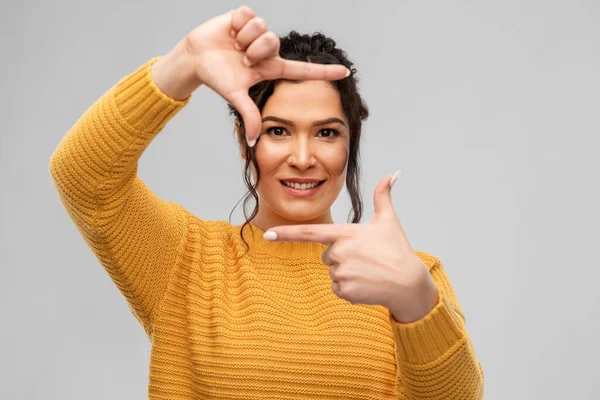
x=225, y=326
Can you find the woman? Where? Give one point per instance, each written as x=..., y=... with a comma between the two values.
x=288, y=305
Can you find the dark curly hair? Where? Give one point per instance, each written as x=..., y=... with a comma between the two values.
x=319, y=49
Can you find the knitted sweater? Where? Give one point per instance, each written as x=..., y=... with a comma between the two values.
x=229, y=324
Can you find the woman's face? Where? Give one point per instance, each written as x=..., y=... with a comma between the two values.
x=304, y=141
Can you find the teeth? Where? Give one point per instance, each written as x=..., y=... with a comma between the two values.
x=301, y=186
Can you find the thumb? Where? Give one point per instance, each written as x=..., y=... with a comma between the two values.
x=383, y=197
x=250, y=115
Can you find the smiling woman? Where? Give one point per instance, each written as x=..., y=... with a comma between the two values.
x=307, y=310
x=310, y=132
x=304, y=140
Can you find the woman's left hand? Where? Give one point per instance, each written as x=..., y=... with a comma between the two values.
x=372, y=263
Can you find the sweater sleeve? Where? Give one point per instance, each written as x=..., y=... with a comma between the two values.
x=135, y=235
x=436, y=358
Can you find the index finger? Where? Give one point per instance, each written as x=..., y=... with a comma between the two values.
x=301, y=70
x=318, y=233
x=250, y=115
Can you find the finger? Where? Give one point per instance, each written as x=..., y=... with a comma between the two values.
x=328, y=257
x=318, y=233
x=265, y=46
x=335, y=288
x=239, y=17
x=250, y=115
x=382, y=198
x=333, y=273
x=250, y=32
x=338, y=253
x=300, y=70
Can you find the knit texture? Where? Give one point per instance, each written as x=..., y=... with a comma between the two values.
x=229, y=324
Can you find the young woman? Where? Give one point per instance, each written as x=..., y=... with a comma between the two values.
x=287, y=305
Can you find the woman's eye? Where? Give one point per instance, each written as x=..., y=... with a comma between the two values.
x=327, y=133
x=279, y=131
x=276, y=130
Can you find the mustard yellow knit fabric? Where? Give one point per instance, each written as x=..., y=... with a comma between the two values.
x=224, y=325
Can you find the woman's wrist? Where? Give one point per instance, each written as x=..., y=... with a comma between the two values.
x=174, y=74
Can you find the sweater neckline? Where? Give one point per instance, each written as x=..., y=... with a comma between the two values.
x=295, y=250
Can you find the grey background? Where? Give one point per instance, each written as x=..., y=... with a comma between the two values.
x=489, y=108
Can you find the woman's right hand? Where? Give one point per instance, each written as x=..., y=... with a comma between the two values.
x=234, y=51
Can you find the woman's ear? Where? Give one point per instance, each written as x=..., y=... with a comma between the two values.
x=240, y=138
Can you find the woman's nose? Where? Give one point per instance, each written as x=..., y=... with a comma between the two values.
x=302, y=157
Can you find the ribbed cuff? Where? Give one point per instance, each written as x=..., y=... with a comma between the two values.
x=142, y=104
x=430, y=337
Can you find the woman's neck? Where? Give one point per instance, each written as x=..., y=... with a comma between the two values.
x=267, y=218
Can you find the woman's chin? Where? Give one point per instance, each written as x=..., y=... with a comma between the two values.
x=302, y=215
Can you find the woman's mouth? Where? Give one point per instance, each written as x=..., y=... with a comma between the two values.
x=302, y=189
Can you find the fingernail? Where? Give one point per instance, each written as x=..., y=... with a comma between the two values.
x=395, y=177
x=237, y=46
x=270, y=235
x=232, y=33
x=247, y=62
x=348, y=72
x=251, y=143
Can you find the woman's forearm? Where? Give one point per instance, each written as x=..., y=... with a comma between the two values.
x=132, y=231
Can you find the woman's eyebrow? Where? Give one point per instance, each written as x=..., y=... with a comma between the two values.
x=316, y=123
